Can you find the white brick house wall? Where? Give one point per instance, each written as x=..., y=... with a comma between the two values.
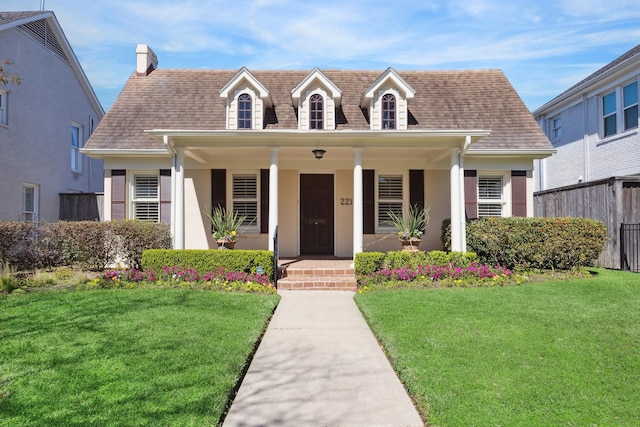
x=583, y=153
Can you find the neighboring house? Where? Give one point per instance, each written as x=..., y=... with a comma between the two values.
x=596, y=171
x=322, y=155
x=593, y=126
x=45, y=121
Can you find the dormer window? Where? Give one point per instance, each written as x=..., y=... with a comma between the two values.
x=317, y=98
x=244, y=111
x=388, y=112
x=387, y=101
x=246, y=100
x=316, y=112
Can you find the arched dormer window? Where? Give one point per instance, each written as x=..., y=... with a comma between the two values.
x=244, y=111
x=388, y=112
x=316, y=112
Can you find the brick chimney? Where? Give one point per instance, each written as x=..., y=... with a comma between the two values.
x=146, y=60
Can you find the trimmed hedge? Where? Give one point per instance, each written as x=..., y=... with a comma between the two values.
x=534, y=243
x=88, y=244
x=207, y=260
x=370, y=262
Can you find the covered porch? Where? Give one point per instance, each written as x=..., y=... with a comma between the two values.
x=319, y=204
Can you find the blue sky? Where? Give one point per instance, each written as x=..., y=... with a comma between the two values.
x=543, y=46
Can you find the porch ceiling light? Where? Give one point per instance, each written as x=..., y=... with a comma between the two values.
x=318, y=153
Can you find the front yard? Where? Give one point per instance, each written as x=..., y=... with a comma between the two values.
x=563, y=352
x=139, y=357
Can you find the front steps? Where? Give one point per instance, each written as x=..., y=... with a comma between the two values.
x=317, y=275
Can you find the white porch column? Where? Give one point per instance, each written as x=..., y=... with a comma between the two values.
x=178, y=237
x=273, y=196
x=358, y=202
x=456, y=241
x=463, y=210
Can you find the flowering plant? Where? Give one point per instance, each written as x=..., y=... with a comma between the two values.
x=412, y=224
x=225, y=224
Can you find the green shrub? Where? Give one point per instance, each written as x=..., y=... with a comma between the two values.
x=134, y=237
x=89, y=244
x=535, y=243
x=400, y=259
x=439, y=258
x=368, y=262
x=206, y=260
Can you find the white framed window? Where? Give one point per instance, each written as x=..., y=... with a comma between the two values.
x=556, y=131
x=244, y=111
x=30, y=201
x=145, y=197
x=389, y=198
x=491, y=197
x=3, y=107
x=244, y=200
x=619, y=109
x=388, y=111
x=316, y=111
x=76, y=144
x=630, y=106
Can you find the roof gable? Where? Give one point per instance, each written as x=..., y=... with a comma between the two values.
x=44, y=29
x=244, y=75
x=316, y=74
x=390, y=75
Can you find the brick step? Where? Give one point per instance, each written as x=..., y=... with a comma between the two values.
x=319, y=282
x=316, y=272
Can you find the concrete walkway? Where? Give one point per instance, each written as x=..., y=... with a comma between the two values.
x=320, y=365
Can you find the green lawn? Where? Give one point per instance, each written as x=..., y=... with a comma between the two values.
x=562, y=353
x=125, y=357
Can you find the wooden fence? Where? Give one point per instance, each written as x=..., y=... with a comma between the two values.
x=81, y=206
x=613, y=201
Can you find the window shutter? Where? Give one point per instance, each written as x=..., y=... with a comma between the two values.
x=471, y=194
x=218, y=188
x=264, y=201
x=519, y=193
x=368, y=205
x=118, y=193
x=416, y=187
x=165, y=196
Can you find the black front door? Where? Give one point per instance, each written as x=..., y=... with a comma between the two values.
x=316, y=214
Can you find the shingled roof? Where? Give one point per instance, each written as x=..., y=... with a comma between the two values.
x=444, y=100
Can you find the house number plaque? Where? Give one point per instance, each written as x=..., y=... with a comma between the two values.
x=346, y=201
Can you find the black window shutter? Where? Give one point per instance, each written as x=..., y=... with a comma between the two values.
x=416, y=187
x=471, y=193
x=118, y=193
x=519, y=193
x=264, y=200
x=369, y=201
x=165, y=196
x=218, y=188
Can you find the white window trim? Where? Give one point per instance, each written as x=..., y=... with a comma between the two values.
x=36, y=202
x=379, y=229
x=254, y=228
x=556, y=131
x=236, y=101
x=624, y=108
x=505, y=176
x=132, y=192
x=75, y=151
x=618, y=90
x=3, y=107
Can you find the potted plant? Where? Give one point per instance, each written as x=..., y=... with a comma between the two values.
x=411, y=226
x=225, y=226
